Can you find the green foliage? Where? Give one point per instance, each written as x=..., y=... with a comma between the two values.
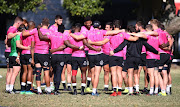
x=84, y=8
x=14, y=6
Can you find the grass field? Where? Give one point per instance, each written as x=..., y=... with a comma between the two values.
x=66, y=99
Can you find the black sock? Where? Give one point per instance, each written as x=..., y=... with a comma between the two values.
x=23, y=88
x=82, y=88
x=145, y=88
x=114, y=89
x=88, y=83
x=64, y=85
x=74, y=87
x=28, y=87
x=119, y=90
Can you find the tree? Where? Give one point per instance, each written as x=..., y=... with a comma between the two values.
x=84, y=8
x=15, y=6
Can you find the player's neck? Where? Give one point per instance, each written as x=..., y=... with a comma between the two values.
x=142, y=30
x=116, y=29
x=44, y=27
x=15, y=25
x=55, y=24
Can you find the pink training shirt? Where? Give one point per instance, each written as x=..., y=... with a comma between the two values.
x=26, y=41
x=11, y=29
x=41, y=47
x=162, y=39
x=116, y=40
x=124, y=52
x=53, y=28
x=95, y=36
x=84, y=31
x=143, y=48
x=79, y=43
x=154, y=42
x=106, y=47
x=57, y=40
x=66, y=37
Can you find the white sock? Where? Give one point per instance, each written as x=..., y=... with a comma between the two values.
x=7, y=87
x=163, y=91
x=39, y=89
x=130, y=89
x=48, y=89
x=170, y=85
x=88, y=78
x=151, y=90
x=156, y=90
x=23, y=83
x=29, y=82
x=137, y=87
x=63, y=81
x=68, y=84
x=74, y=84
x=11, y=86
x=51, y=84
x=126, y=88
x=106, y=86
x=83, y=84
x=94, y=90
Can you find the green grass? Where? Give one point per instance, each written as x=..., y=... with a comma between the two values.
x=66, y=99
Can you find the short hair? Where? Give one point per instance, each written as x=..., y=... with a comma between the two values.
x=149, y=26
x=45, y=22
x=18, y=19
x=131, y=28
x=154, y=21
x=58, y=17
x=77, y=25
x=61, y=28
x=110, y=24
x=31, y=23
x=21, y=27
x=117, y=23
x=25, y=21
x=140, y=23
x=88, y=18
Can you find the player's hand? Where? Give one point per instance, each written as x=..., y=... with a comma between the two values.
x=81, y=48
x=18, y=33
x=123, y=30
x=32, y=62
x=98, y=49
x=18, y=60
x=111, y=53
x=29, y=48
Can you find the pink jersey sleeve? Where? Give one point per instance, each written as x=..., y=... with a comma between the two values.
x=33, y=31
x=126, y=36
x=11, y=29
x=103, y=32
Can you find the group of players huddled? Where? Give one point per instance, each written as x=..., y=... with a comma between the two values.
x=120, y=52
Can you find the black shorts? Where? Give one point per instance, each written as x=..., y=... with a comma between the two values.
x=143, y=60
x=78, y=62
x=68, y=59
x=6, y=54
x=43, y=59
x=57, y=59
x=105, y=59
x=95, y=60
x=124, y=66
x=132, y=62
x=152, y=63
x=164, y=59
x=115, y=61
x=26, y=59
x=12, y=61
